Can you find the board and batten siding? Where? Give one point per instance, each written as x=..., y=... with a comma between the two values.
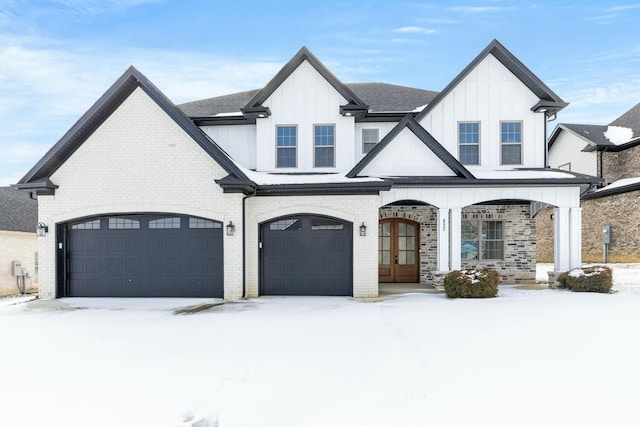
x=239, y=141
x=489, y=94
x=406, y=155
x=303, y=100
x=567, y=148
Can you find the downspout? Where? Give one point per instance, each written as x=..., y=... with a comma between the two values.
x=546, y=143
x=244, y=243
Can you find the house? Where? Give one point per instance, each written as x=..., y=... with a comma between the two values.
x=307, y=186
x=612, y=153
x=18, y=242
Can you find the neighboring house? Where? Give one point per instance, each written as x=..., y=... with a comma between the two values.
x=308, y=186
x=18, y=241
x=612, y=153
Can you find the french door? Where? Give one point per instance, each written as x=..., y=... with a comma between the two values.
x=398, y=256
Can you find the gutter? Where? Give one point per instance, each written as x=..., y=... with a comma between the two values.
x=244, y=242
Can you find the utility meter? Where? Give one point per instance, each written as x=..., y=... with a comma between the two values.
x=606, y=234
x=16, y=268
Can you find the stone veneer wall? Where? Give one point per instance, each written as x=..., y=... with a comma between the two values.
x=519, y=265
x=622, y=213
x=623, y=164
x=544, y=234
x=619, y=211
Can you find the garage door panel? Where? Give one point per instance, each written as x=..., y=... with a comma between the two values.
x=306, y=255
x=125, y=257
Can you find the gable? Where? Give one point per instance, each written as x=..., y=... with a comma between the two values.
x=132, y=80
x=303, y=90
x=406, y=155
x=409, y=150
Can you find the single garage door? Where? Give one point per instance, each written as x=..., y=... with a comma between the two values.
x=163, y=255
x=306, y=255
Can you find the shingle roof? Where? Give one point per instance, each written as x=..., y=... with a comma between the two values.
x=630, y=119
x=18, y=212
x=594, y=133
x=379, y=97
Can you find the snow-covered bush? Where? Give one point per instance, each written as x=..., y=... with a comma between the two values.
x=472, y=283
x=597, y=278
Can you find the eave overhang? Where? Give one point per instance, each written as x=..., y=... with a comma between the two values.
x=41, y=187
x=549, y=107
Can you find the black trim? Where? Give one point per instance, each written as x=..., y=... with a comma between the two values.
x=432, y=144
x=513, y=64
x=615, y=191
x=103, y=108
x=303, y=55
x=42, y=187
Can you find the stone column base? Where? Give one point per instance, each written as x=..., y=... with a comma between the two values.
x=553, y=279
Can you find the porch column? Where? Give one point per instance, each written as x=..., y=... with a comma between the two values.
x=561, y=239
x=443, y=240
x=575, y=250
x=456, y=238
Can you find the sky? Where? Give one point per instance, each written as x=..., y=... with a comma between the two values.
x=58, y=57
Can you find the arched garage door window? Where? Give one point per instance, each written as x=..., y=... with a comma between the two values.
x=159, y=255
x=306, y=255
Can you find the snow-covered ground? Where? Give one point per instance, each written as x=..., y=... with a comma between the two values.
x=526, y=358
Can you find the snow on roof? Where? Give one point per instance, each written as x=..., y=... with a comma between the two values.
x=482, y=173
x=620, y=183
x=267, y=178
x=618, y=134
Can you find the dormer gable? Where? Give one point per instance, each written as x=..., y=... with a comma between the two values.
x=255, y=107
x=409, y=150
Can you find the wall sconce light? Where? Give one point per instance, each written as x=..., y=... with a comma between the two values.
x=42, y=229
x=363, y=230
x=231, y=229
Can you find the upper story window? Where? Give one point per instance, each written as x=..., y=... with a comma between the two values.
x=469, y=143
x=286, y=146
x=370, y=137
x=511, y=143
x=324, y=143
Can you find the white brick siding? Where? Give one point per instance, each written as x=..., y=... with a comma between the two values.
x=356, y=209
x=140, y=160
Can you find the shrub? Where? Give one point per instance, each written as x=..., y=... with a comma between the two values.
x=597, y=278
x=472, y=284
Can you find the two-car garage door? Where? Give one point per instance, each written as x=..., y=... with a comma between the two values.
x=164, y=255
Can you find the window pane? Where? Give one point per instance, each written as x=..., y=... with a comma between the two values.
x=286, y=158
x=511, y=132
x=369, y=139
x=326, y=224
x=469, y=133
x=203, y=223
x=286, y=146
x=324, y=143
x=402, y=257
x=286, y=224
x=469, y=155
x=324, y=157
x=123, y=224
x=411, y=258
x=164, y=223
x=89, y=225
x=492, y=249
x=511, y=154
x=469, y=240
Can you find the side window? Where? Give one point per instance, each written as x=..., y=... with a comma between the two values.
x=370, y=137
x=482, y=240
x=286, y=146
x=511, y=143
x=469, y=143
x=324, y=143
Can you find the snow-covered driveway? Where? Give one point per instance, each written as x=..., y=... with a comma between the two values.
x=527, y=358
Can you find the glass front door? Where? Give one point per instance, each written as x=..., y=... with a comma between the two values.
x=398, y=256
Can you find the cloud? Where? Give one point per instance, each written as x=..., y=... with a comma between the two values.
x=623, y=8
x=415, y=30
x=478, y=9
